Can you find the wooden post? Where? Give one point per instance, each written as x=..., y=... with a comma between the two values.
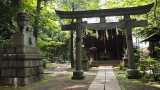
x=131, y=72
x=1, y=51
x=78, y=74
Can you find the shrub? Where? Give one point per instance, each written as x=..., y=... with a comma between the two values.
x=45, y=60
x=121, y=66
x=156, y=71
x=149, y=64
x=147, y=78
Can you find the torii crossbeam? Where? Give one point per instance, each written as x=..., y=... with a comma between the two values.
x=125, y=24
x=104, y=26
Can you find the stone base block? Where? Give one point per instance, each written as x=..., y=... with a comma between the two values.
x=132, y=74
x=4, y=81
x=78, y=75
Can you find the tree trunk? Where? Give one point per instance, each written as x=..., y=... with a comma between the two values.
x=36, y=18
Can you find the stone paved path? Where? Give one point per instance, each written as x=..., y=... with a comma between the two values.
x=105, y=80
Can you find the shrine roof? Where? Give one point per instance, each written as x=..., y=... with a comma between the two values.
x=105, y=12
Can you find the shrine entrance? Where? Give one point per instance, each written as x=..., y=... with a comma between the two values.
x=106, y=48
x=126, y=24
x=106, y=45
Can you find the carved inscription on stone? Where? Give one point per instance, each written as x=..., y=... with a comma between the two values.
x=30, y=41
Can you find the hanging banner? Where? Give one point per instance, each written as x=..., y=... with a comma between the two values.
x=107, y=34
x=112, y=34
x=86, y=31
x=117, y=32
x=104, y=42
x=97, y=34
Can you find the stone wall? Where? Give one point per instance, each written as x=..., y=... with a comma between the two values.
x=1, y=51
x=27, y=68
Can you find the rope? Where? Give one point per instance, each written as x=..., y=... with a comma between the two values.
x=107, y=35
x=106, y=28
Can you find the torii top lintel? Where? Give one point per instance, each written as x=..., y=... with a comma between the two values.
x=105, y=12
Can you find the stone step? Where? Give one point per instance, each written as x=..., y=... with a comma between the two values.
x=105, y=63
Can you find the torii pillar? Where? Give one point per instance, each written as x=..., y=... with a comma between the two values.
x=78, y=73
x=132, y=72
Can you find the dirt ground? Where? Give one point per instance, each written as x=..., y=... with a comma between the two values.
x=60, y=76
x=61, y=82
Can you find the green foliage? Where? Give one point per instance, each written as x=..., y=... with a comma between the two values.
x=77, y=5
x=8, y=10
x=7, y=43
x=137, y=55
x=50, y=37
x=157, y=50
x=125, y=83
x=156, y=71
x=121, y=67
x=143, y=64
x=45, y=62
x=146, y=78
x=154, y=22
x=149, y=64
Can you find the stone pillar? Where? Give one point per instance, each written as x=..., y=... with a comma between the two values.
x=132, y=72
x=125, y=59
x=72, y=55
x=1, y=51
x=102, y=20
x=78, y=74
x=85, y=64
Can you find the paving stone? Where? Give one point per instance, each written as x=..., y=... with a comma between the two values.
x=105, y=80
x=96, y=87
x=111, y=81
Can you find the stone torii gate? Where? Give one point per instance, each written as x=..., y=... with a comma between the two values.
x=126, y=24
